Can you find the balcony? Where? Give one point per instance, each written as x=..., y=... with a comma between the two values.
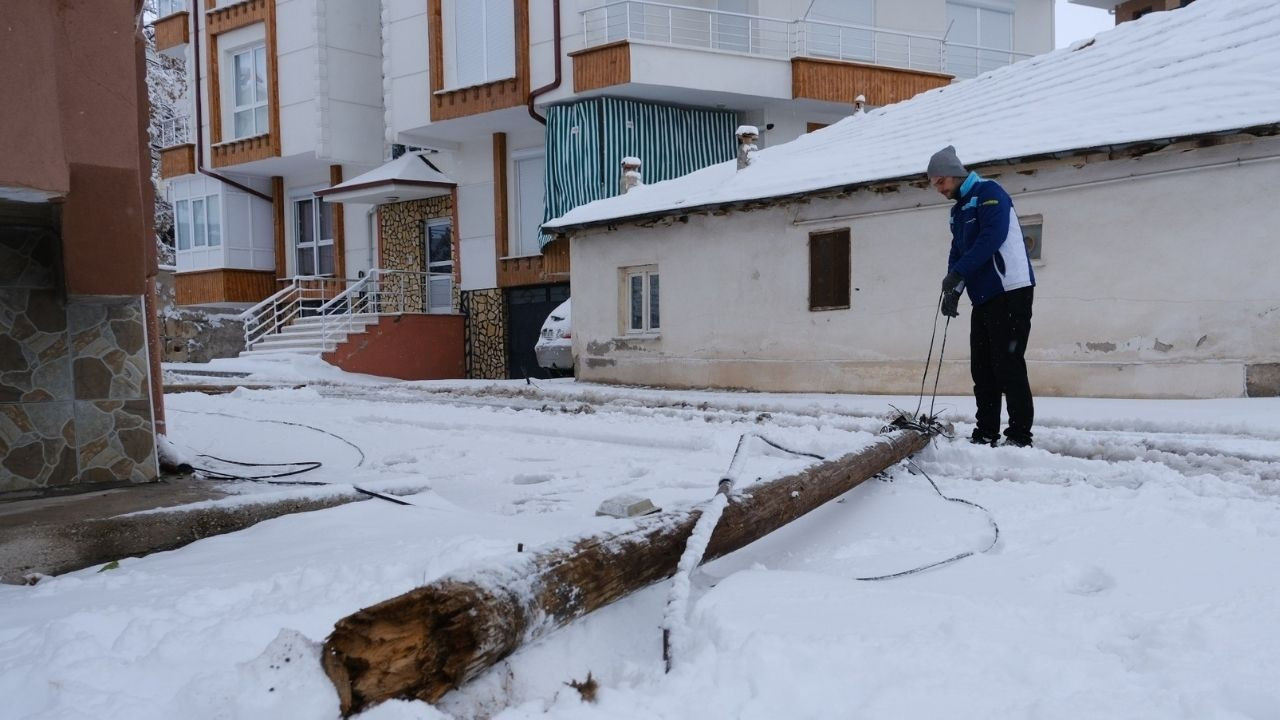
x=177, y=153
x=654, y=23
x=173, y=28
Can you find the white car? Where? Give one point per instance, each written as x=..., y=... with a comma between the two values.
x=554, y=348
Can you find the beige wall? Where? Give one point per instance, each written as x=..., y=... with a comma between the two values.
x=1159, y=286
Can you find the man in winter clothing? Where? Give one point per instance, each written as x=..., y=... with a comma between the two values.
x=989, y=261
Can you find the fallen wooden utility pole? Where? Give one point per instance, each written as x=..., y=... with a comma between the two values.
x=431, y=640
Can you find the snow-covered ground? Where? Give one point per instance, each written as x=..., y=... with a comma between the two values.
x=1136, y=574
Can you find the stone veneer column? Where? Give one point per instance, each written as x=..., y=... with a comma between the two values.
x=75, y=404
x=486, y=334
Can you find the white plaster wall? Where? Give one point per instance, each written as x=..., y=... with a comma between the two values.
x=298, y=57
x=716, y=72
x=353, y=69
x=473, y=171
x=406, y=84
x=1141, y=292
x=1033, y=26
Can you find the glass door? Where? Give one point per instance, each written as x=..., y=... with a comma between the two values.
x=438, y=236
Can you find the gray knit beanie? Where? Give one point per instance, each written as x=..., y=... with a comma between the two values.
x=944, y=163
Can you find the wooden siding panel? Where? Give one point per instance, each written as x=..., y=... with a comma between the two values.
x=497, y=95
x=277, y=225
x=223, y=285
x=339, y=228
x=602, y=66
x=549, y=267
x=173, y=31
x=177, y=160
x=231, y=17
x=841, y=82
x=500, y=199
x=242, y=151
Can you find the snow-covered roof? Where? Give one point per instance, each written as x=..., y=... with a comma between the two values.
x=409, y=177
x=1211, y=67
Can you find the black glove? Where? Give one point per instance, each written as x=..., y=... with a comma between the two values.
x=952, y=282
x=951, y=303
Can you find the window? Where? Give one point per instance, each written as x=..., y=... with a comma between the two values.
x=1032, y=233
x=164, y=8
x=313, y=235
x=829, y=270
x=530, y=176
x=198, y=222
x=479, y=42
x=250, y=78
x=978, y=39
x=642, y=292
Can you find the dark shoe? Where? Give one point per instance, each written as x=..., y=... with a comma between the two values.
x=1017, y=442
x=978, y=438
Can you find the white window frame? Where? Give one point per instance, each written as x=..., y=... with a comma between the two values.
x=261, y=124
x=210, y=209
x=491, y=71
x=165, y=8
x=518, y=247
x=316, y=242
x=649, y=277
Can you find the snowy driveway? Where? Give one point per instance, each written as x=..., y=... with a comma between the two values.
x=1135, y=577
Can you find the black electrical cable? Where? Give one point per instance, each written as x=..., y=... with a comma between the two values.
x=267, y=479
x=960, y=556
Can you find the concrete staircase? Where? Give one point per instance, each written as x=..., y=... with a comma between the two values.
x=305, y=336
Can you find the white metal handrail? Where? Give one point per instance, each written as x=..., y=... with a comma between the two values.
x=173, y=131
x=719, y=30
x=339, y=301
x=302, y=295
x=380, y=292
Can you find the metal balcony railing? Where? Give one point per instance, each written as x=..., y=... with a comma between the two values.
x=341, y=302
x=173, y=131
x=716, y=30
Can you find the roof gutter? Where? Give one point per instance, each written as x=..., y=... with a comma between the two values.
x=199, y=119
x=555, y=32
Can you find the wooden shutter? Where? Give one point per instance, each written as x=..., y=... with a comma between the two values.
x=829, y=269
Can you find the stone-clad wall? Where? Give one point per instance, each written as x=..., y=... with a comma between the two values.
x=401, y=245
x=75, y=402
x=486, y=351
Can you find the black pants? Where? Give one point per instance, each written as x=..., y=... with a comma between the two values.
x=997, y=343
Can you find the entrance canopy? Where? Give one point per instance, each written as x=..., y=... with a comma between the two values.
x=409, y=177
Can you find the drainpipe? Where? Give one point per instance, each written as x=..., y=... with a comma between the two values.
x=555, y=8
x=199, y=119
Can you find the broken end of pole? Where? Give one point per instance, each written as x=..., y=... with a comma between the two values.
x=420, y=645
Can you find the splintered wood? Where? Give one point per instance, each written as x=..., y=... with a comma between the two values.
x=434, y=638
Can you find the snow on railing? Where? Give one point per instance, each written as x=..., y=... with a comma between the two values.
x=678, y=25
x=173, y=131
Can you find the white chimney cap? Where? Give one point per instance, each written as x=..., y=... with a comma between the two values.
x=860, y=98
x=747, y=130
x=629, y=160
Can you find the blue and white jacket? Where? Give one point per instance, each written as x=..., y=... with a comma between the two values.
x=987, y=248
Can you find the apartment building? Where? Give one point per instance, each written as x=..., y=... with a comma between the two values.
x=291, y=190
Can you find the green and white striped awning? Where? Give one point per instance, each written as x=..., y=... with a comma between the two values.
x=587, y=140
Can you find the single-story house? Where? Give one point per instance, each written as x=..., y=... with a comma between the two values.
x=1144, y=166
